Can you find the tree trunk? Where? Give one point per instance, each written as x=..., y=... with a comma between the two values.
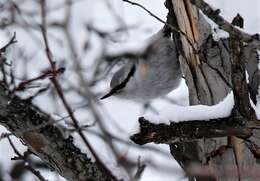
x=210, y=77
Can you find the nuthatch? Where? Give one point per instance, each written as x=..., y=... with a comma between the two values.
x=155, y=73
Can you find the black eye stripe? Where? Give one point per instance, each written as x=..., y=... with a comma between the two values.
x=121, y=85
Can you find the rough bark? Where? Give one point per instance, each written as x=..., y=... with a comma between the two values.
x=189, y=131
x=219, y=67
x=212, y=69
x=48, y=142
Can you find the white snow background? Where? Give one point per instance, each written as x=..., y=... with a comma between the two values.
x=123, y=113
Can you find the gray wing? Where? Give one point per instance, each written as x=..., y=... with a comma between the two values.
x=120, y=76
x=120, y=79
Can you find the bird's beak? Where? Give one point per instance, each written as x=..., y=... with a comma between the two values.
x=110, y=93
x=120, y=86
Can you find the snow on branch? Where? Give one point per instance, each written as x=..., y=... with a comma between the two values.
x=236, y=124
x=224, y=24
x=195, y=112
x=189, y=130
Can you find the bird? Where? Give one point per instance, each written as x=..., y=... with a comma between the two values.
x=156, y=73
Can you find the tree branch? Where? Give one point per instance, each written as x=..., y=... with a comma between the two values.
x=188, y=130
x=173, y=28
x=61, y=95
x=225, y=25
x=48, y=142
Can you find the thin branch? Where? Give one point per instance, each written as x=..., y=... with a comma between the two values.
x=24, y=158
x=62, y=97
x=219, y=73
x=14, y=148
x=165, y=23
x=140, y=169
x=48, y=143
x=5, y=135
x=12, y=41
x=46, y=74
x=35, y=172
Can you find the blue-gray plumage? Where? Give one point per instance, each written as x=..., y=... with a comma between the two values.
x=154, y=74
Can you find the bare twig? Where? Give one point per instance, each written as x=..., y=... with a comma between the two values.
x=12, y=41
x=14, y=148
x=5, y=135
x=140, y=169
x=61, y=95
x=35, y=172
x=24, y=158
x=165, y=23
x=48, y=73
